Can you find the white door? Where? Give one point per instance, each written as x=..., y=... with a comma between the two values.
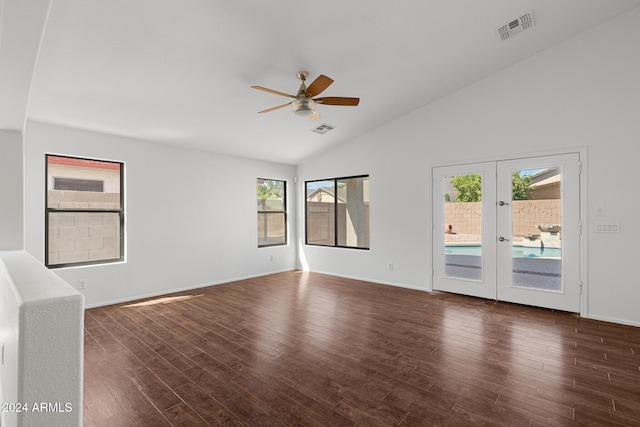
x=519, y=240
x=538, y=249
x=465, y=229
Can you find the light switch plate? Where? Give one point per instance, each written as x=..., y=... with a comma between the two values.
x=602, y=227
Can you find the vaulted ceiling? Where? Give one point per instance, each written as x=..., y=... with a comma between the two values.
x=180, y=72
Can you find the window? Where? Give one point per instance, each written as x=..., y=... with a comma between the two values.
x=78, y=184
x=272, y=212
x=84, y=219
x=337, y=212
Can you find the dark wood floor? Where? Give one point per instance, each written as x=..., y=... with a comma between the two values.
x=307, y=349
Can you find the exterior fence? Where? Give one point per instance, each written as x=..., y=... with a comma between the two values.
x=320, y=224
x=77, y=236
x=527, y=214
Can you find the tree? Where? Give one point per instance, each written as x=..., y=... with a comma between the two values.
x=521, y=186
x=270, y=189
x=468, y=187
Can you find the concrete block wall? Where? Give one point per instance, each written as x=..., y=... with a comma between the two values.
x=320, y=219
x=271, y=228
x=76, y=236
x=527, y=214
x=67, y=199
x=320, y=223
x=465, y=218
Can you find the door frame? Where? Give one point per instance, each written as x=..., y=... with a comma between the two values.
x=583, y=236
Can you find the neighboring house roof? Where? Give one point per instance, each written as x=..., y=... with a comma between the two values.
x=545, y=175
x=548, y=181
x=342, y=192
x=328, y=191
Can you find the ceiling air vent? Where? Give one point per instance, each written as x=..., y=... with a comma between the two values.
x=515, y=26
x=322, y=129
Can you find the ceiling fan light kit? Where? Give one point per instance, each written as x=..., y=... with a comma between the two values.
x=304, y=104
x=304, y=107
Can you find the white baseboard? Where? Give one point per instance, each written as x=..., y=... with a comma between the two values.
x=182, y=289
x=366, y=279
x=612, y=320
x=363, y=279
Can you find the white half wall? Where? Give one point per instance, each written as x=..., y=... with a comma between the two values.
x=581, y=93
x=191, y=216
x=41, y=334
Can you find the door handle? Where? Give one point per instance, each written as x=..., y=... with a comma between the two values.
x=501, y=203
x=502, y=239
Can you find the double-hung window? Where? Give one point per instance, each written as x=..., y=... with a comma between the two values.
x=272, y=212
x=84, y=218
x=337, y=212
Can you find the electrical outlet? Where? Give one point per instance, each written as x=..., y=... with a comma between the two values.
x=82, y=284
x=390, y=266
x=271, y=258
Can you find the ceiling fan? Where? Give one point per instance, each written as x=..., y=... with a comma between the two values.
x=304, y=104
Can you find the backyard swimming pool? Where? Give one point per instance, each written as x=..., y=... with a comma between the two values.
x=518, y=251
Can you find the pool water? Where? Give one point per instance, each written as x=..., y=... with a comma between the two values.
x=518, y=251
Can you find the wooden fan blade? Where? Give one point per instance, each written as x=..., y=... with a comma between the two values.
x=274, y=108
x=338, y=100
x=319, y=85
x=273, y=91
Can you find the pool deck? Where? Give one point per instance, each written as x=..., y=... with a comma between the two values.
x=459, y=239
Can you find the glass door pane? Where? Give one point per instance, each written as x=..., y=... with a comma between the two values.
x=537, y=229
x=463, y=226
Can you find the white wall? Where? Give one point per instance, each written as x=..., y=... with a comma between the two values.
x=191, y=216
x=581, y=93
x=11, y=213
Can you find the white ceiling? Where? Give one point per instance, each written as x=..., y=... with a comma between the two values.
x=180, y=71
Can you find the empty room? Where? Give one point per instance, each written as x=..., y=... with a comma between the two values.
x=329, y=214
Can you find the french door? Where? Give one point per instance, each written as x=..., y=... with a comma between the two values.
x=509, y=230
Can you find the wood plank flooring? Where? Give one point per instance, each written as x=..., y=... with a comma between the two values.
x=300, y=348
